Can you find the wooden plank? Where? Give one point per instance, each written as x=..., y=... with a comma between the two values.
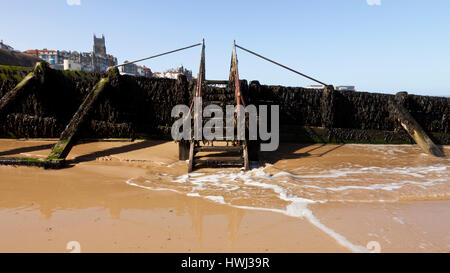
x=401, y=114
x=11, y=96
x=71, y=134
x=217, y=102
x=30, y=162
x=220, y=82
x=191, y=157
x=183, y=150
x=245, y=155
x=220, y=161
x=218, y=149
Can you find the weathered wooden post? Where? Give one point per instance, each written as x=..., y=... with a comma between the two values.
x=234, y=76
x=70, y=135
x=37, y=76
x=327, y=103
x=183, y=150
x=412, y=127
x=187, y=149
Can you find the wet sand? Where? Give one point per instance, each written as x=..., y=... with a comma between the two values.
x=136, y=197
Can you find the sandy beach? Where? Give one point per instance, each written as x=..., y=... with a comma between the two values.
x=119, y=196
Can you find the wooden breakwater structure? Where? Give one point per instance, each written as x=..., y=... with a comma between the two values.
x=44, y=103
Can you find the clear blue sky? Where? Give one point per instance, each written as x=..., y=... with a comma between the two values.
x=398, y=45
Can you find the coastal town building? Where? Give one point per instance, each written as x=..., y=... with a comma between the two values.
x=173, y=73
x=72, y=65
x=144, y=71
x=337, y=88
x=101, y=60
x=345, y=88
x=96, y=61
x=315, y=86
x=5, y=46
x=99, y=46
x=129, y=69
x=136, y=70
x=52, y=57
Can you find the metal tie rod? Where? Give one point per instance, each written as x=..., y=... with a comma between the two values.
x=285, y=67
x=165, y=53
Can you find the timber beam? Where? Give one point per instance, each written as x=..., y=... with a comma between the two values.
x=411, y=126
x=71, y=134
x=37, y=75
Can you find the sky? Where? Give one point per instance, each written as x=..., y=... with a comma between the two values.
x=376, y=45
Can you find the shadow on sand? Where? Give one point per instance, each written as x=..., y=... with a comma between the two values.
x=289, y=151
x=26, y=149
x=116, y=150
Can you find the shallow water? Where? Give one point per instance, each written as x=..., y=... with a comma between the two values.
x=339, y=197
x=352, y=173
x=376, y=173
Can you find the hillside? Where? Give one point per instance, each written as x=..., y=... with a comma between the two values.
x=17, y=58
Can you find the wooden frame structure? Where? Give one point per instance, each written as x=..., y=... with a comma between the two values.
x=237, y=148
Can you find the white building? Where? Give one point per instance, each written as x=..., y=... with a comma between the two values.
x=136, y=70
x=315, y=86
x=141, y=71
x=337, y=88
x=72, y=65
x=173, y=73
x=345, y=88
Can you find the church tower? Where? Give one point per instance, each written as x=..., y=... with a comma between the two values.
x=99, y=46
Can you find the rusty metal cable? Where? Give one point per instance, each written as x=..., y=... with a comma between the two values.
x=158, y=55
x=283, y=66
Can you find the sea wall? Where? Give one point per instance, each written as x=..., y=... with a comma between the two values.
x=298, y=105
x=132, y=106
x=358, y=110
x=137, y=106
x=10, y=76
x=355, y=115
x=47, y=105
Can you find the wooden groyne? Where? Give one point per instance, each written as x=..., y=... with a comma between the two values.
x=74, y=105
x=34, y=78
x=73, y=130
x=411, y=126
